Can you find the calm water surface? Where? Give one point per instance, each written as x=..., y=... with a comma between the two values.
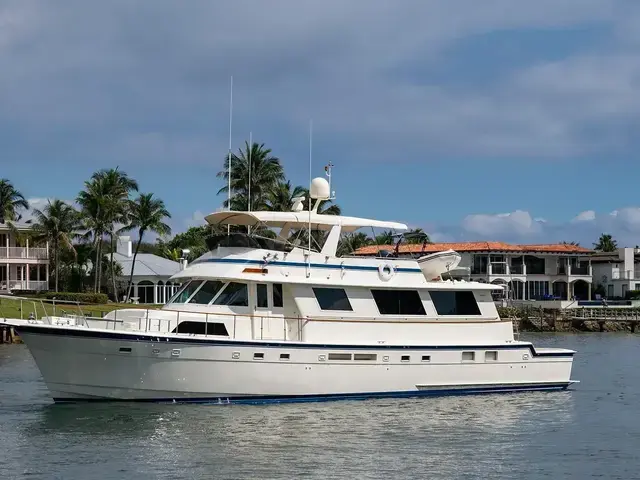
x=592, y=431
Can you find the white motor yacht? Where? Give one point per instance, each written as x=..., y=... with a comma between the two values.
x=261, y=319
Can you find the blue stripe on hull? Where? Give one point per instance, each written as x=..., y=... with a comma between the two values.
x=300, y=264
x=266, y=399
x=133, y=337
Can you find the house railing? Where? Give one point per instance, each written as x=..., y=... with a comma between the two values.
x=9, y=285
x=23, y=252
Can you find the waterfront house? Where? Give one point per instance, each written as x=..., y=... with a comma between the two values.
x=551, y=272
x=23, y=265
x=617, y=272
x=151, y=273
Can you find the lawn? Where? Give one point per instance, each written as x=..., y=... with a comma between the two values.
x=10, y=308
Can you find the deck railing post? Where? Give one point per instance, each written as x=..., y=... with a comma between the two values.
x=177, y=320
x=284, y=328
x=261, y=327
x=20, y=309
x=234, y=326
x=206, y=324
x=146, y=322
x=115, y=318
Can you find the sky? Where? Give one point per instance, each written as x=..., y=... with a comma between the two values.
x=502, y=120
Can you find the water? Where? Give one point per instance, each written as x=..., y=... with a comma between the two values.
x=590, y=432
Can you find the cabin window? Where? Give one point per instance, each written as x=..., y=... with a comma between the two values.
x=491, y=356
x=201, y=328
x=258, y=356
x=339, y=356
x=452, y=302
x=234, y=295
x=207, y=292
x=405, y=358
x=186, y=292
x=426, y=358
x=277, y=295
x=332, y=299
x=285, y=356
x=398, y=302
x=263, y=298
x=365, y=356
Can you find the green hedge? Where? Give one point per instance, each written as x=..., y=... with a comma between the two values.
x=97, y=298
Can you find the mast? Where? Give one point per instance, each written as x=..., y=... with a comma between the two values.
x=229, y=166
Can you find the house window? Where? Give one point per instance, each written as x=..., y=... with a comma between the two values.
x=398, y=302
x=332, y=299
x=262, y=296
x=206, y=293
x=234, y=295
x=277, y=295
x=454, y=302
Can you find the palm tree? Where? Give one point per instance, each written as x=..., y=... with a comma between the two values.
x=11, y=201
x=117, y=186
x=147, y=214
x=573, y=243
x=104, y=203
x=254, y=171
x=606, y=243
x=351, y=242
x=385, y=238
x=280, y=196
x=417, y=235
x=57, y=223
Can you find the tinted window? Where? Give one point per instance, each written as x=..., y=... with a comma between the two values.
x=199, y=328
x=454, y=303
x=186, y=292
x=398, y=302
x=263, y=299
x=332, y=299
x=206, y=293
x=277, y=295
x=234, y=295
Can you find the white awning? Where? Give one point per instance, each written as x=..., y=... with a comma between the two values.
x=298, y=220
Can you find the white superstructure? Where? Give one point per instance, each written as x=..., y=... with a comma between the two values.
x=267, y=319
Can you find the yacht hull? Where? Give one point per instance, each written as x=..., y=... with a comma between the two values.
x=79, y=364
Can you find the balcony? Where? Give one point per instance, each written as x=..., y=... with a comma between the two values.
x=23, y=285
x=516, y=269
x=584, y=269
x=15, y=253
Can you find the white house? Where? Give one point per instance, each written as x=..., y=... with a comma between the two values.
x=22, y=266
x=553, y=272
x=151, y=273
x=618, y=272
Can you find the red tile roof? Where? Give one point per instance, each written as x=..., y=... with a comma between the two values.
x=475, y=247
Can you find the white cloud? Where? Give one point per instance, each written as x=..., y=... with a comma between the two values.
x=586, y=216
x=520, y=227
x=488, y=226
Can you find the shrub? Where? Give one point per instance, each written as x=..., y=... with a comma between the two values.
x=632, y=295
x=96, y=298
x=24, y=293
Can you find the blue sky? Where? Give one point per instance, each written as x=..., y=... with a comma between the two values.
x=495, y=120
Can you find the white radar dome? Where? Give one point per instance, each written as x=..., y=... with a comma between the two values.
x=320, y=189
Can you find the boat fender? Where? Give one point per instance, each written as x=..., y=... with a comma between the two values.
x=386, y=271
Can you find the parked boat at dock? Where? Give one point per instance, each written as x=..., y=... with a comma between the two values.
x=262, y=319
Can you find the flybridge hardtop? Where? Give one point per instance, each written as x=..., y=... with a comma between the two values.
x=300, y=219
